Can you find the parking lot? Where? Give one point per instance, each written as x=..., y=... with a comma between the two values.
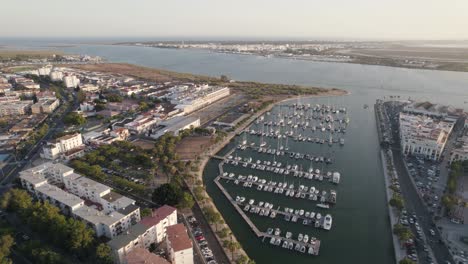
x=201, y=244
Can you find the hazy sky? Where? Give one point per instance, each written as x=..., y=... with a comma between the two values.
x=308, y=19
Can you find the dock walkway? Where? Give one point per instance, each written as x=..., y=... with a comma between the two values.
x=315, y=246
x=239, y=210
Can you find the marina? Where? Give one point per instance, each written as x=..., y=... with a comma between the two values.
x=286, y=126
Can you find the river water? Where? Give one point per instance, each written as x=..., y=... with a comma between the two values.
x=361, y=230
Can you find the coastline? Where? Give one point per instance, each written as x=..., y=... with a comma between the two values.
x=444, y=66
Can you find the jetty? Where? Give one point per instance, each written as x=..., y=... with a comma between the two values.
x=315, y=246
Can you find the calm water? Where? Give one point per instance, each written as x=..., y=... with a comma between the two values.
x=361, y=231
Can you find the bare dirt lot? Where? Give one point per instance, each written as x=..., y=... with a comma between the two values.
x=189, y=147
x=143, y=143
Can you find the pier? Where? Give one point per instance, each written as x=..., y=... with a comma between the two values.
x=283, y=170
x=239, y=210
x=315, y=246
x=267, y=185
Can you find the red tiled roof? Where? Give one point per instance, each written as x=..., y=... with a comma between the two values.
x=178, y=237
x=143, y=256
x=157, y=215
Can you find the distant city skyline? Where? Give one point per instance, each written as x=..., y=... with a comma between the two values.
x=257, y=19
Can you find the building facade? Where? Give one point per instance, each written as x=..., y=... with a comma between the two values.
x=424, y=136
x=54, y=149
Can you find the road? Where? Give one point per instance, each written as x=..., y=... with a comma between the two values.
x=413, y=201
x=11, y=169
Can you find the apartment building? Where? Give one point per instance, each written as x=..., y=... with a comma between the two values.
x=15, y=108
x=150, y=230
x=142, y=256
x=71, y=81
x=56, y=76
x=179, y=245
x=57, y=148
x=46, y=106
x=424, y=135
x=108, y=213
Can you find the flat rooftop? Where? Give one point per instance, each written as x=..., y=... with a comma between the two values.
x=88, y=183
x=96, y=217
x=60, y=195
x=128, y=236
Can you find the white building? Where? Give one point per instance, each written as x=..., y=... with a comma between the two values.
x=44, y=71
x=108, y=213
x=150, y=230
x=54, y=149
x=141, y=124
x=71, y=81
x=89, y=88
x=179, y=245
x=196, y=101
x=175, y=125
x=423, y=135
x=56, y=76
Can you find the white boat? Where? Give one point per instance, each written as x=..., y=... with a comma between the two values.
x=336, y=177
x=306, y=238
x=300, y=237
x=327, y=223
x=277, y=231
x=324, y=206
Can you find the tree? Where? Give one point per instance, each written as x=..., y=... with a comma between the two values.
x=74, y=118
x=212, y=216
x=397, y=202
x=6, y=242
x=145, y=212
x=81, y=96
x=104, y=254
x=402, y=232
x=406, y=261
x=243, y=259
x=167, y=193
x=79, y=236
x=223, y=233
x=186, y=201
x=16, y=199
x=232, y=246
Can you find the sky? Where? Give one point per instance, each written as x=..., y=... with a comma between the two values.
x=237, y=19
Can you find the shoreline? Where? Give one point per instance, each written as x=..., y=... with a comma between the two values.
x=317, y=61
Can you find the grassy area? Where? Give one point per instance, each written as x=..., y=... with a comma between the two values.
x=156, y=75
x=252, y=89
x=27, y=54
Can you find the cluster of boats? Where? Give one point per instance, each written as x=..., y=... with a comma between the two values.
x=290, y=215
x=281, y=152
x=279, y=168
x=289, y=190
x=302, y=244
x=262, y=209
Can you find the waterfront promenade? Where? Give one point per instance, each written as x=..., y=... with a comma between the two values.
x=392, y=212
